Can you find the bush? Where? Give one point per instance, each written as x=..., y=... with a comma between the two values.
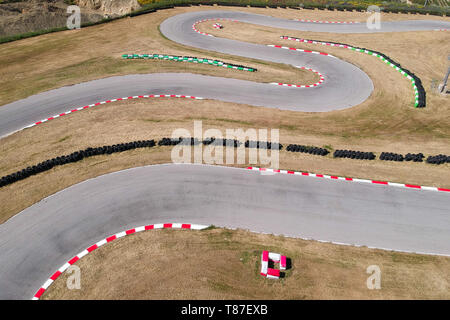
x=439, y=159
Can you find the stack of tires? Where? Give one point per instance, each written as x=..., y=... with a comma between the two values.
x=222, y=142
x=73, y=157
x=168, y=142
x=263, y=145
x=416, y=157
x=189, y=141
x=390, y=156
x=307, y=149
x=439, y=159
x=360, y=155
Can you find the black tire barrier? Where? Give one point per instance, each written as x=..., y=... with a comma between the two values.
x=420, y=100
x=168, y=142
x=222, y=142
x=415, y=157
x=263, y=145
x=71, y=158
x=307, y=149
x=390, y=156
x=439, y=159
x=180, y=141
x=360, y=155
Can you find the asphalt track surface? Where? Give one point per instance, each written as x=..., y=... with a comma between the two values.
x=35, y=242
x=345, y=85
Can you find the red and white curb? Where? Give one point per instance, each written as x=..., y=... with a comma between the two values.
x=109, y=101
x=301, y=50
x=441, y=29
x=324, y=176
x=316, y=42
x=321, y=80
x=318, y=21
x=97, y=245
x=194, y=26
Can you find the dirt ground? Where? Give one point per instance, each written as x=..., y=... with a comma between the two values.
x=224, y=264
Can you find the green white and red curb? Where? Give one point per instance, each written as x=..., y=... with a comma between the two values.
x=217, y=63
x=106, y=240
x=405, y=74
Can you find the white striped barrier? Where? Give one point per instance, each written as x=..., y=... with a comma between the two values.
x=324, y=176
x=318, y=83
x=335, y=22
x=109, y=101
x=194, y=26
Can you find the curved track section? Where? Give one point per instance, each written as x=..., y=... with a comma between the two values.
x=49, y=233
x=345, y=85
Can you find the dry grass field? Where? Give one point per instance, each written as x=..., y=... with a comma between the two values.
x=224, y=264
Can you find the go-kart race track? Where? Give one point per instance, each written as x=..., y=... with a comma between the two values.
x=35, y=242
x=345, y=85
x=43, y=237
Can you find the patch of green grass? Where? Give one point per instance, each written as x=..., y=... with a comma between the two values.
x=63, y=139
x=97, y=163
x=412, y=259
x=219, y=286
x=246, y=256
x=162, y=120
x=246, y=123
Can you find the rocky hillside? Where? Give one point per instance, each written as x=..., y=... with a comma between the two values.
x=33, y=15
x=109, y=7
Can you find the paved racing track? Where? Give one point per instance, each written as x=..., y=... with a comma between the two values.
x=345, y=85
x=41, y=238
